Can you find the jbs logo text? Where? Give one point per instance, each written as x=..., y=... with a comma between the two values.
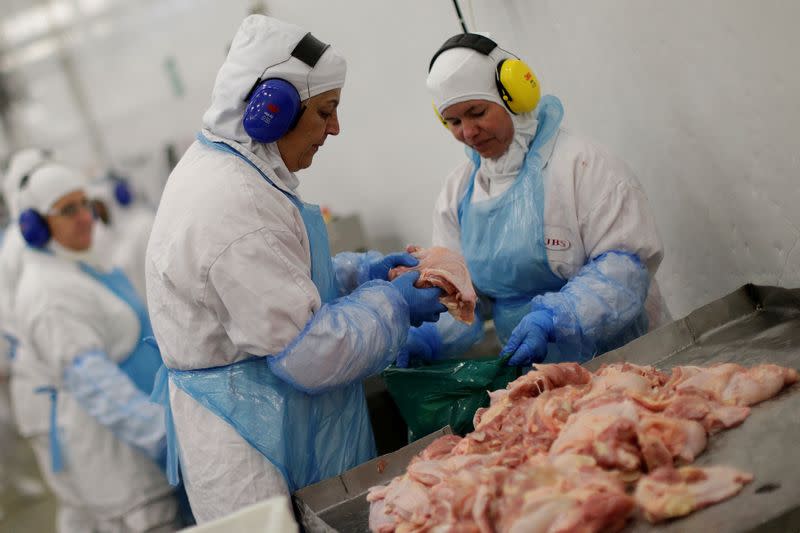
x=556, y=244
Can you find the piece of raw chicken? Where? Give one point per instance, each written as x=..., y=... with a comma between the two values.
x=446, y=269
x=670, y=493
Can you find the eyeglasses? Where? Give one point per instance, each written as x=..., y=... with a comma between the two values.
x=72, y=209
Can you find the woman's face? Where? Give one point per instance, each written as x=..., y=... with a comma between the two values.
x=70, y=221
x=319, y=120
x=482, y=125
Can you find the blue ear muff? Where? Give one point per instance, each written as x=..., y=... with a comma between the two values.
x=123, y=193
x=34, y=228
x=272, y=111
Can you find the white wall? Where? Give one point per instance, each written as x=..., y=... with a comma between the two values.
x=698, y=96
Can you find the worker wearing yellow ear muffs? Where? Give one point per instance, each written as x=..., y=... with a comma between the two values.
x=557, y=233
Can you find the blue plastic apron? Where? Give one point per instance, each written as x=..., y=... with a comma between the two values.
x=141, y=365
x=308, y=438
x=503, y=238
x=144, y=361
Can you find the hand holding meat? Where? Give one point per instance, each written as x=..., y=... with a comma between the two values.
x=444, y=268
x=379, y=269
x=423, y=304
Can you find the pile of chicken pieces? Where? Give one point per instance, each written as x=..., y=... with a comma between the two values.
x=566, y=450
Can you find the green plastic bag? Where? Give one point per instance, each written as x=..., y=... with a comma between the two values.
x=446, y=392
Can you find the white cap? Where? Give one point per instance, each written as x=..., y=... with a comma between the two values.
x=47, y=185
x=262, y=48
x=21, y=163
x=461, y=74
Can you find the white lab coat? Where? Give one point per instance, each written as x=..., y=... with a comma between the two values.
x=62, y=312
x=593, y=204
x=228, y=275
x=228, y=265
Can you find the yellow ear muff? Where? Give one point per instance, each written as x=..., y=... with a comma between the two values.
x=439, y=116
x=518, y=86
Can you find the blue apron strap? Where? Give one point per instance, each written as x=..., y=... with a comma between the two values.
x=56, y=456
x=476, y=164
x=549, y=113
x=161, y=396
x=223, y=147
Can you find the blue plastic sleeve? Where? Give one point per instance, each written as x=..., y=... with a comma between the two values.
x=595, y=307
x=111, y=398
x=347, y=340
x=352, y=270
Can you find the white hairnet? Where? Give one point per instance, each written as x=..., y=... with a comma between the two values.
x=48, y=184
x=21, y=163
x=462, y=74
x=262, y=48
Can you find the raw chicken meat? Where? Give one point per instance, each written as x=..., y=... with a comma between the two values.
x=736, y=385
x=664, y=439
x=607, y=433
x=555, y=451
x=446, y=269
x=703, y=408
x=669, y=492
x=487, y=493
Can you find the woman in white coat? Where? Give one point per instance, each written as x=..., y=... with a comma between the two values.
x=82, y=329
x=265, y=337
x=557, y=233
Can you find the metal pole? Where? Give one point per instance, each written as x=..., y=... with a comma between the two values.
x=460, y=16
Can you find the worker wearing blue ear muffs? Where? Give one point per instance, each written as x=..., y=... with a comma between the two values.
x=557, y=233
x=84, y=332
x=266, y=339
x=125, y=229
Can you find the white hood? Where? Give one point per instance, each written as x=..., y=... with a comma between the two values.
x=21, y=163
x=462, y=74
x=262, y=49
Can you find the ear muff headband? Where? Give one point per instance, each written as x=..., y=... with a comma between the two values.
x=476, y=42
x=516, y=83
x=274, y=106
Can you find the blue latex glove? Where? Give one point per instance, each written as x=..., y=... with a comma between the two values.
x=423, y=304
x=528, y=342
x=423, y=344
x=379, y=269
